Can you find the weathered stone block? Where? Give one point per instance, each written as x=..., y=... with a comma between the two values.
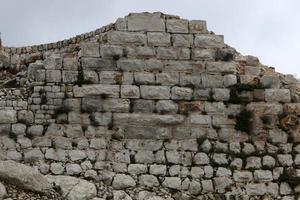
x=144, y=78
x=111, y=51
x=203, y=40
x=159, y=39
x=111, y=77
x=182, y=40
x=181, y=93
x=184, y=66
x=69, y=76
x=143, y=106
x=130, y=91
x=139, y=52
x=166, y=106
x=177, y=25
x=97, y=90
x=197, y=26
x=200, y=119
x=53, y=76
x=145, y=22
x=53, y=62
x=278, y=95
x=155, y=92
x=90, y=49
x=203, y=54
x=116, y=105
x=173, y=53
x=165, y=78
x=70, y=63
x=8, y=116
x=138, y=65
x=119, y=37
x=221, y=67
x=98, y=64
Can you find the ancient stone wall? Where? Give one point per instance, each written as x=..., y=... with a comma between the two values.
x=152, y=107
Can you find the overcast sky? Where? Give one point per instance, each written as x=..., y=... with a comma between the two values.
x=269, y=29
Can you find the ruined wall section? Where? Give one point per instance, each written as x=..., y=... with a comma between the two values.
x=156, y=104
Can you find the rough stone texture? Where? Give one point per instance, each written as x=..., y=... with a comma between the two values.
x=150, y=107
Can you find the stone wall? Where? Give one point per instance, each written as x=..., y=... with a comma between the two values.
x=152, y=107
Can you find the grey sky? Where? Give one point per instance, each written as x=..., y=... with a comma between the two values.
x=269, y=29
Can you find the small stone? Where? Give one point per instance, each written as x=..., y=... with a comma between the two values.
x=122, y=181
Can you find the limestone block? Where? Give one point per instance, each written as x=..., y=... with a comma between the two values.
x=181, y=93
x=138, y=65
x=4, y=129
x=90, y=49
x=242, y=176
x=256, y=189
x=167, y=78
x=25, y=116
x=277, y=136
x=73, y=169
x=53, y=62
x=200, y=119
x=184, y=66
x=155, y=92
x=158, y=169
x=143, y=106
x=97, y=90
x=130, y=92
x=145, y=22
x=119, y=37
x=159, y=39
x=148, y=181
x=139, y=144
x=278, y=95
x=53, y=76
x=263, y=175
x=173, y=53
x=182, y=40
x=8, y=116
x=136, y=169
x=35, y=130
x=197, y=26
x=190, y=79
x=69, y=76
x=207, y=186
x=116, y=105
x=18, y=129
x=101, y=118
x=285, y=159
x=33, y=155
x=91, y=76
x=147, y=119
x=206, y=40
x=166, y=106
x=221, y=94
x=144, y=78
x=122, y=181
x=222, y=183
x=70, y=63
x=139, y=52
x=41, y=142
x=253, y=162
x=145, y=157
x=221, y=67
x=56, y=155
x=177, y=25
x=121, y=24
x=203, y=54
x=172, y=183
x=98, y=143
x=110, y=77
x=212, y=81
x=111, y=51
x=220, y=158
x=229, y=80
x=201, y=159
x=98, y=64
x=73, y=130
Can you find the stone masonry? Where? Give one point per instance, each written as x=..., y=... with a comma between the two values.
x=152, y=107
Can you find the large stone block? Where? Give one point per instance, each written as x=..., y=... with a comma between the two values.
x=155, y=92
x=90, y=49
x=147, y=119
x=97, y=90
x=278, y=95
x=167, y=78
x=182, y=93
x=119, y=37
x=53, y=76
x=137, y=65
x=8, y=116
x=98, y=64
x=221, y=67
x=145, y=22
x=159, y=39
x=177, y=25
x=53, y=62
x=116, y=105
x=197, y=26
x=69, y=76
x=206, y=40
x=182, y=40
x=173, y=53
x=111, y=51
